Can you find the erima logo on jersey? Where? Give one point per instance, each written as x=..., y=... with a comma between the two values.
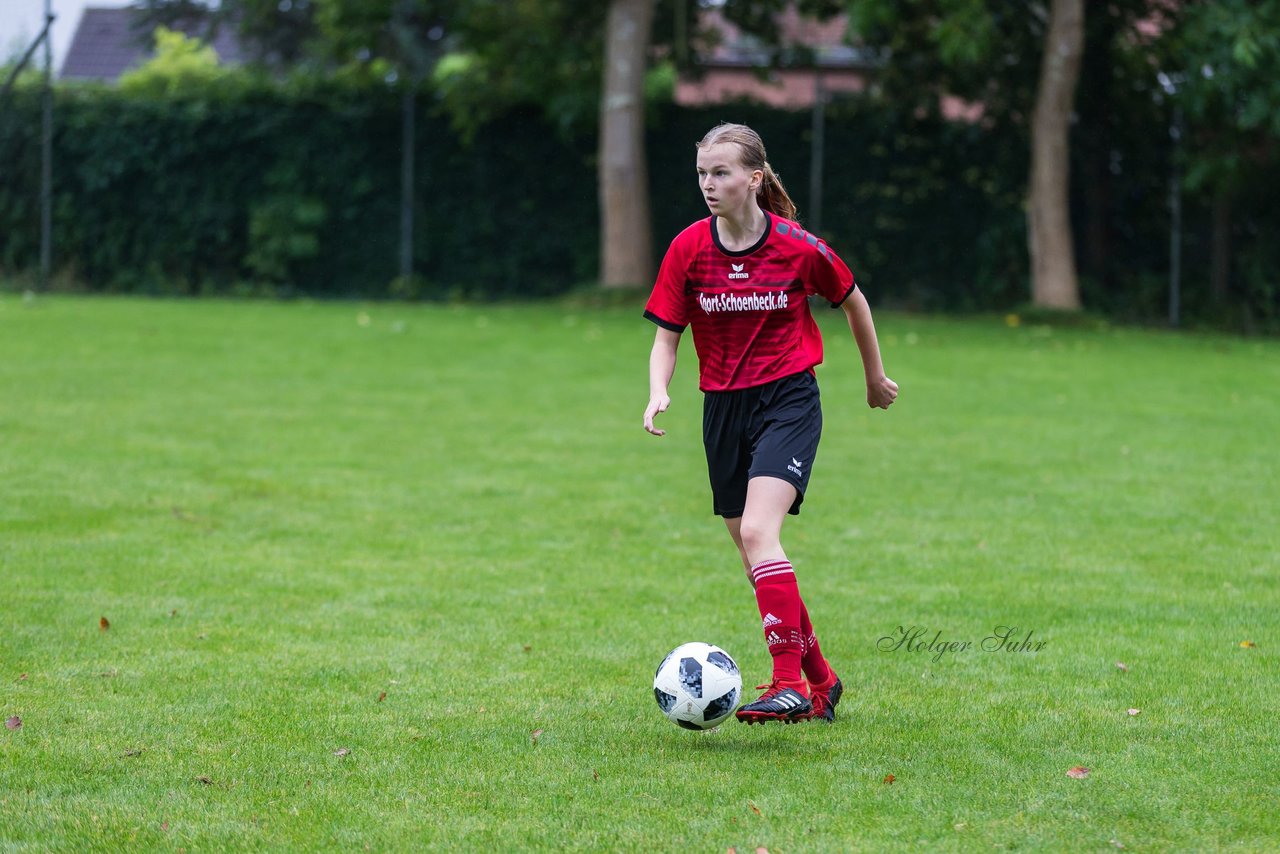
x=767, y=301
x=795, y=467
x=738, y=271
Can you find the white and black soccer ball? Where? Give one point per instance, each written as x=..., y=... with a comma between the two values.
x=697, y=685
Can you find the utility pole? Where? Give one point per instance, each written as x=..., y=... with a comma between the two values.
x=408, y=142
x=1175, y=223
x=46, y=158
x=818, y=153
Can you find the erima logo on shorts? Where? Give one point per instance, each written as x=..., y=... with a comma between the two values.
x=738, y=271
x=795, y=466
x=766, y=301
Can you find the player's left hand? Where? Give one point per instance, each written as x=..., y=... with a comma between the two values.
x=881, y=392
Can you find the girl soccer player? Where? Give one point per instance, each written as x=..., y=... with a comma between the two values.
x=741, y=278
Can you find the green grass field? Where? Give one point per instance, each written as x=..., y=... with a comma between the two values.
x=438, y=538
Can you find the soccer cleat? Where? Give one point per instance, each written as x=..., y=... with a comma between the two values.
x=826, y=698
x=778, y=703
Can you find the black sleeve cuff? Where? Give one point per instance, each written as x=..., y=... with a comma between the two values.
x=665, y=324
x=840, y=302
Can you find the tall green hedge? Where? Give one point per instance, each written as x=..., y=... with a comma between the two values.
x=260, y=187
x=296, y=193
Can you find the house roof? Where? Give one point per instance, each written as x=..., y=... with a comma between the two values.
x=107, y=43
x=824, y=41
x=815, y=58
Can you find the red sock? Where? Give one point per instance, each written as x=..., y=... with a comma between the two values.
x=815, y=665
x=778, y=598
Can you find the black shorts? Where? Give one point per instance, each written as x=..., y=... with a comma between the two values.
x=770, y=430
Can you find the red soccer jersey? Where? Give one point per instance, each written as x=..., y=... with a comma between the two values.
x=749, y=310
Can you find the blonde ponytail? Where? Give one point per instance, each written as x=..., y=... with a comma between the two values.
x=773, y=196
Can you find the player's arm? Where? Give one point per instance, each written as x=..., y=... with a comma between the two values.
x=662, y=365
x=881, y=390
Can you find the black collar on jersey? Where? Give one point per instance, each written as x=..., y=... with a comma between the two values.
x=715, y=237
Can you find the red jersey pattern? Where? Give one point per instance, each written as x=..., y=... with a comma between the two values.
x=749, y=310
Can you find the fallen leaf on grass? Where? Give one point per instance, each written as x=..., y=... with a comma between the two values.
x=1248, y=644
x=533, y=736
x=1134, y=712
x=14, y=722
x=173, y=613
x=755, y=809
x=164, y=826
x=888, y=778
x=382, y=696
x=103, y=624
x=595, y=775
x=22, y=677
x=133, y=751
x=1121, y=665
x=528, y=647
x=342, y=751
x=205, y=780
x=1079, y=772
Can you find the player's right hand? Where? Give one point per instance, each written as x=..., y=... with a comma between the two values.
x=656, y=405
x=881, y=392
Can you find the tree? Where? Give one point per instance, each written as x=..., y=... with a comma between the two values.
x=626, y=246
x=984, y=51
x=276, y=33
x=1053, y=267
x=1221, y=67
x=180, y=64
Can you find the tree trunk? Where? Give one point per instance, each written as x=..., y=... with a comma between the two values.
x=626, y=254
x=1053, y=268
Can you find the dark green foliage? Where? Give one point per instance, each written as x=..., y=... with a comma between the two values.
x=298, y=192
x=288, y=188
